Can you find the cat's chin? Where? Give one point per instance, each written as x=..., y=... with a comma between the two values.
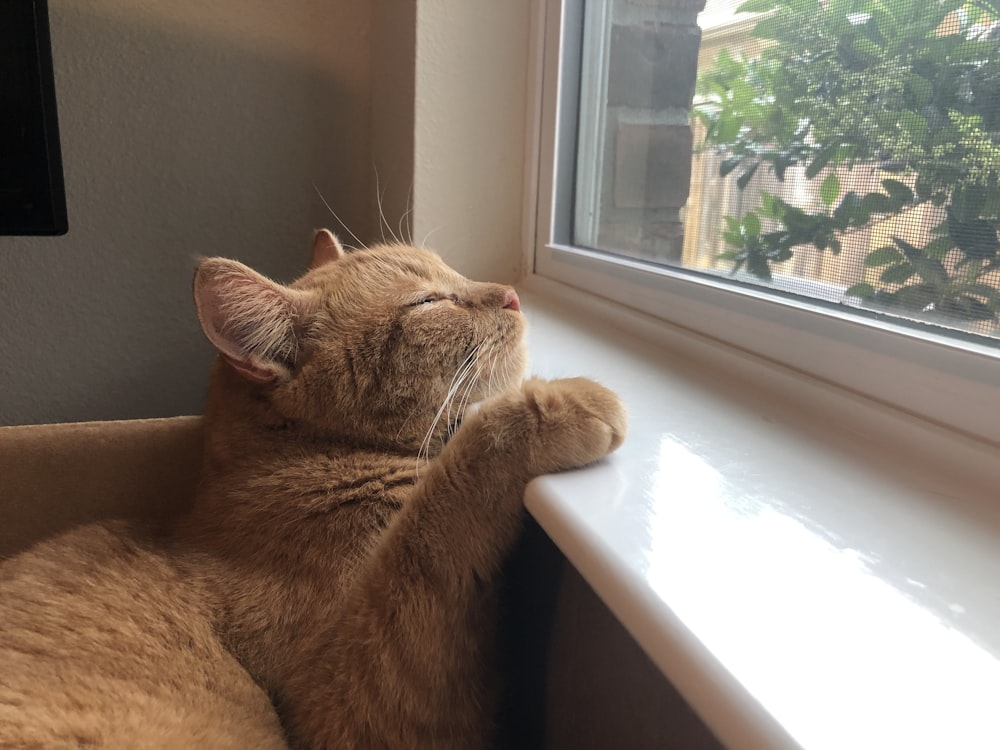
x=474, y=406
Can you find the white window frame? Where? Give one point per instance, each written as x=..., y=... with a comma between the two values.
x=952, y=382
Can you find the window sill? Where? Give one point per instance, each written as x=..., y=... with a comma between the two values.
x=809, y=568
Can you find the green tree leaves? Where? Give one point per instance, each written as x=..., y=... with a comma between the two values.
x=829, y=190
x=908, y=89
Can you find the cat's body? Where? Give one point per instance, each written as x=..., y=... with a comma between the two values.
x=105, y=641
x=347, y=536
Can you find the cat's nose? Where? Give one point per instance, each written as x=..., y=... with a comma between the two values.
x=511, y=301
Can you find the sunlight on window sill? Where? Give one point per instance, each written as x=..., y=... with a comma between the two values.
x=800, y=582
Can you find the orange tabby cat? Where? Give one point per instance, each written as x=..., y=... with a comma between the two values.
x=341, y=559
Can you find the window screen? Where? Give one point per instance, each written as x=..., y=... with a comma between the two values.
x=844, y=150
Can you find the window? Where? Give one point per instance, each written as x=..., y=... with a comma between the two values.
x=860, y=248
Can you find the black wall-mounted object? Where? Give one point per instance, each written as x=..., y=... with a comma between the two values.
x=32, y=196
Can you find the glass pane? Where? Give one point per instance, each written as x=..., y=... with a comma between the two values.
x=845, y=150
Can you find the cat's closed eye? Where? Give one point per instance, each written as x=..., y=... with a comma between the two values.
x=427, y=299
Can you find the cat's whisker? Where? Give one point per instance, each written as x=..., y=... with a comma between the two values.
x=334, y=215
x=493, y=366
x=406, y=422
x=485, y=368
x=407, y=233
x=507, y=372
x=471, y=384
x=470, y=364
x=456, y=382
x=423, y=242
x=499, y=371
x=399, y=227
x=383, y=222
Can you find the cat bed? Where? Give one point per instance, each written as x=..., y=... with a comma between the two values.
x=608, y=693
x=56, y=476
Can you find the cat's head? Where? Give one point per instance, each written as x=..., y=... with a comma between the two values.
x=369, y=346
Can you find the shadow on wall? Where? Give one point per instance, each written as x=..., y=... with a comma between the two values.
x=177, y=143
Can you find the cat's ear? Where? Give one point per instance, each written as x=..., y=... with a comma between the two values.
x=250, y=319
x=326, y=248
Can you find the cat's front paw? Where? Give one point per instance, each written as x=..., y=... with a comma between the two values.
x=578, y=422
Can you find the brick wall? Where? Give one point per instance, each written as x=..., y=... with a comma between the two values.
x=646, y=143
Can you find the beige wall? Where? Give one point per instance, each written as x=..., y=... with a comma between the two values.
x=393, y=95
x=188, y=128
x=472, y=88
x=192, y=128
